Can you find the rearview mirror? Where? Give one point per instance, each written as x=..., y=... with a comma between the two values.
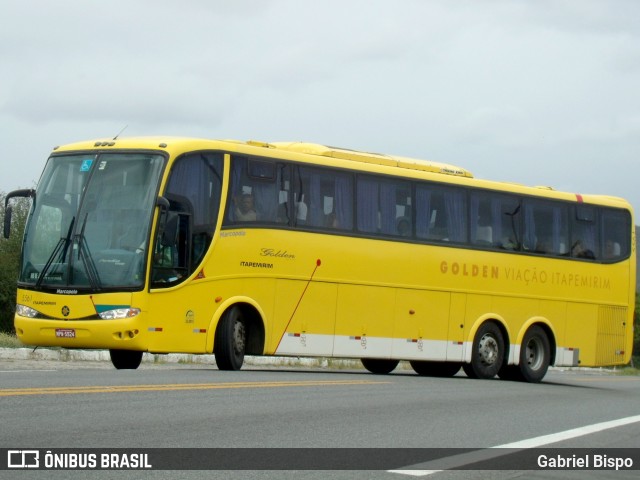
x=7, y=221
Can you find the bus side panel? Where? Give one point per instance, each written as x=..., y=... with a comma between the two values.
x=581, y=333
x=421, y=325
x=364, y=321
x=597, y=335
x=476, y=310
x=179, y=318
x=611, y=345
x=555, y=312
x=309, y=318
x=457, y=312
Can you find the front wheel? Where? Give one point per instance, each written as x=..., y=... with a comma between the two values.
x=435, y=369
x=487, y=353
x=125, y=359
x=379, y=366
x=230, y=340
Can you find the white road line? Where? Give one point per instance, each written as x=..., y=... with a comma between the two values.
x=494, y=452
x=26, y=371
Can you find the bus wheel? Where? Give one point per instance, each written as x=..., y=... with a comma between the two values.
x=230, y=340
x=125, y=359
x=487, y=354
x=535, y=355
x=379, y=366
x=435, y=369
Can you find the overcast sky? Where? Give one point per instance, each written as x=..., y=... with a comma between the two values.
x=539, y=92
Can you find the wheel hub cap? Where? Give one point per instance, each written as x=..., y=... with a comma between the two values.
x=488, y=350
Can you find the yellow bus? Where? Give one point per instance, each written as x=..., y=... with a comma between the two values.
x=295, y=249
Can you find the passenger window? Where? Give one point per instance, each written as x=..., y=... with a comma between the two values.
x=259, y=192
x=546, y=227
x=495, y=220
x=324, y=199
x=441, y=214
x=384, y=206
x=616, y=228
x=584, y=234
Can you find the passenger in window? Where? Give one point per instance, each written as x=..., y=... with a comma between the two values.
x=543, y=246
x=245, y=210
x=331, y=220
x=579, y=251
x=283, y=213
x=611, y=250
x=404, y=227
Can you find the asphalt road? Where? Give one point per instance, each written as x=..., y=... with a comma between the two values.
x=79, y=405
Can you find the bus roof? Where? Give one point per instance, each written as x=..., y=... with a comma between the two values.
x=293, y=147
x=178, y=144
x=367, y=157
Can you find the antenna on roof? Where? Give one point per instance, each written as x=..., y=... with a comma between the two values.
x=120, y=132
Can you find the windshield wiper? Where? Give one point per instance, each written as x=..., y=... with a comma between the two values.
x=87, y=260
x=63, y=244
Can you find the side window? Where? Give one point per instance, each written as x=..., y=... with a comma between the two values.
x=259, y=192
x=495, y=220
x=384, y=206
x=584, y=234
x=324, y=198
x=441, y=214
x=193, y=191
x=616, y=234
x=546, y=227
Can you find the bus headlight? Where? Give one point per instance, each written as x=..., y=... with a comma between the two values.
x=119, y=313
x=25, y=311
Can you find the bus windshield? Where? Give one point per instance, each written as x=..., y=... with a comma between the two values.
x=91, y=219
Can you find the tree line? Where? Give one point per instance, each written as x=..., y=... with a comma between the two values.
x=10, y=258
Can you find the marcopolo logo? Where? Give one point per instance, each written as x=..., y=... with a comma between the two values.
x=23, y=459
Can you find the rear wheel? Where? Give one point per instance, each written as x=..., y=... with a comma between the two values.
x=435, y=369
x=379, y=366
x=488, y=352
x=230, y=340
x=125, y=359
x=535, y=355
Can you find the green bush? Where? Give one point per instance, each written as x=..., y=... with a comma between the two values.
x=9, y=260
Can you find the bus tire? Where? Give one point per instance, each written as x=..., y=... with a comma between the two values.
x=435, y=369
x=535, y=355
x=488, y=352
x=379, y=366
x=125, y=359
x=230, y=340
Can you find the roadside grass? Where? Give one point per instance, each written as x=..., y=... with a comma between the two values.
x=633, y=369
x=9, y=340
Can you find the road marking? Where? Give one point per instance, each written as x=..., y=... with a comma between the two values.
x=26, y=371
x=493, y=452
x=9, y=392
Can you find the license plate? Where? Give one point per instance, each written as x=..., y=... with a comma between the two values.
x=65, y=333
